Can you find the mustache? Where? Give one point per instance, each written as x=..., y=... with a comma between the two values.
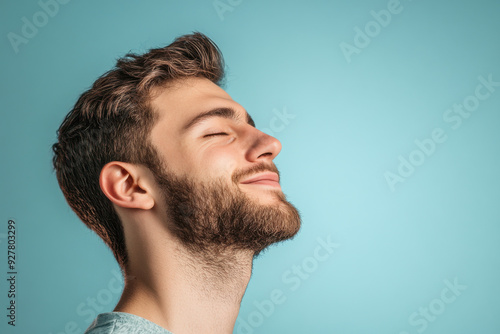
x=263, y=167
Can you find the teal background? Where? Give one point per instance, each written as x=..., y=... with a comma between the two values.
x=352, y=120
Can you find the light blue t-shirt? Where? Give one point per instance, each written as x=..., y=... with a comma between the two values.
x=123, y=323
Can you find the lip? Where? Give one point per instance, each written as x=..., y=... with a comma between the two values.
x=264, y=178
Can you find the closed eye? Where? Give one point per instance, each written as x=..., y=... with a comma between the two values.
x=216, y=134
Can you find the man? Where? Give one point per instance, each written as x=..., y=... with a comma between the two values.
x=172, y=174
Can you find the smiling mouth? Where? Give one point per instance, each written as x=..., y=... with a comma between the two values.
x=264, y=182
x=264, y=179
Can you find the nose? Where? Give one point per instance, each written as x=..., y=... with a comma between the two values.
x=262, y=146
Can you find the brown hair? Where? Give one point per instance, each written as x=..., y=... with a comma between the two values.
x=111, y=122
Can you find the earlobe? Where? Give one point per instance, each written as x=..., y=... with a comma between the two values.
x=119, y=181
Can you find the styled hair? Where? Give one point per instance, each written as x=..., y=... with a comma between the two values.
x=112, y=121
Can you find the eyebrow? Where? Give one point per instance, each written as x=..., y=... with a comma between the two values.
x=228, y=113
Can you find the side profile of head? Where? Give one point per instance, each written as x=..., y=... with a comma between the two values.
x=158, y=139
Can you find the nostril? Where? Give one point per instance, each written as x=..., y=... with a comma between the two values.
x=264, y=154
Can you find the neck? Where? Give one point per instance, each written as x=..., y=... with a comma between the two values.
x=185, y=292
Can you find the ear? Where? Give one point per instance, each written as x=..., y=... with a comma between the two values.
x=126, y=185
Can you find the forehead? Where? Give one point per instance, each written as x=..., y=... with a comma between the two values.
x=185, y=98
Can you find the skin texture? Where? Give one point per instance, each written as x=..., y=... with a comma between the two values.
x=191, y=227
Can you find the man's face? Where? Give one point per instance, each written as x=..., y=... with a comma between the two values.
x=211, y=197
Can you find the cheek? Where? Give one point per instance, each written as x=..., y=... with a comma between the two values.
x=219, y=163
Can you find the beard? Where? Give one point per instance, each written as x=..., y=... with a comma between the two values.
x=215, y=216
